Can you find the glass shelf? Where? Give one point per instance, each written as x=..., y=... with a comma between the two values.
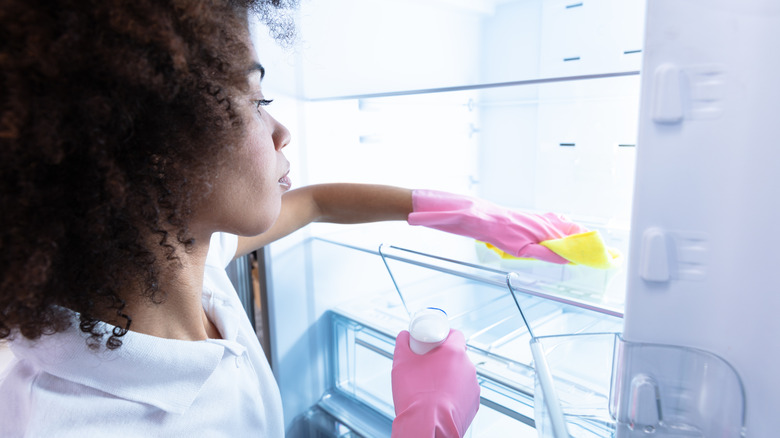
x=478, y=303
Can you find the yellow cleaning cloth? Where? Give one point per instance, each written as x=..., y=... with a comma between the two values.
x=585, y=249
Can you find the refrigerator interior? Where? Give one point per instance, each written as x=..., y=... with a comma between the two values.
x=531, y=104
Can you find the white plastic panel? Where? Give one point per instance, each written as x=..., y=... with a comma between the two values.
x=708, y=183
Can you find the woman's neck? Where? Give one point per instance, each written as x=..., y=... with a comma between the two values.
x=179, y=314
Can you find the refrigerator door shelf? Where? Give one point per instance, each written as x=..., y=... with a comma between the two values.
x=610, y=387
x=669, y=391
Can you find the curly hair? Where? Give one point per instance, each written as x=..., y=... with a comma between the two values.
x=112, y=113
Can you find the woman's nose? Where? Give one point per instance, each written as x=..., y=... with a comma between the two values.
x=281, y=135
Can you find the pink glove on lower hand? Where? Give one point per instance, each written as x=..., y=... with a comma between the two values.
x=435, y=394
x=513, y=232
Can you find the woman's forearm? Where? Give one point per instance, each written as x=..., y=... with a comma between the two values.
x=359, y=203
x=342, y=203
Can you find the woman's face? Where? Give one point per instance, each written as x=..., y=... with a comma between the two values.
x=247, y=189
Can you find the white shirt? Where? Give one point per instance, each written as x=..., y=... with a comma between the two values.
x=150, y=386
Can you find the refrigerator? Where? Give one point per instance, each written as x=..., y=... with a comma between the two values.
x=648, y=121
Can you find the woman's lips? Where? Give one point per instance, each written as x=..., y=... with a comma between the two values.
x=285, y=182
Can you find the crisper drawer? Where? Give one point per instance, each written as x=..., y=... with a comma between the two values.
x=479, y=303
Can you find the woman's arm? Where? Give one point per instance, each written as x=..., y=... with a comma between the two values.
x=335, y=203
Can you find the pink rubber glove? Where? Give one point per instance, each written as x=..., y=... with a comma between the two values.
x=513, y=232
x=435, y=394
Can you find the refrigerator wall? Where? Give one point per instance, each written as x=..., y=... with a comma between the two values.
x=531, y=104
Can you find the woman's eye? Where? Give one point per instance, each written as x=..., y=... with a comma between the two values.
x=262, y=102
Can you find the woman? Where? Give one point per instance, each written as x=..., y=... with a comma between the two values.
x=136, y=148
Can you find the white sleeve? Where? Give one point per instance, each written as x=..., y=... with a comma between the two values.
x=222, y=249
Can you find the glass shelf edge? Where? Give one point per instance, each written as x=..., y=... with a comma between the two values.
x=475, y=86
x=491, y=276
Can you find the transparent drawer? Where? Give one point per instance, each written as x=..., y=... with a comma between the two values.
x=362, y=361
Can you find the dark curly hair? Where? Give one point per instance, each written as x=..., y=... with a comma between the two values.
x=112, y=113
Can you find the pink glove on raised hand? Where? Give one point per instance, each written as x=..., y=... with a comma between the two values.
x=435, y=394
x=513, y=232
